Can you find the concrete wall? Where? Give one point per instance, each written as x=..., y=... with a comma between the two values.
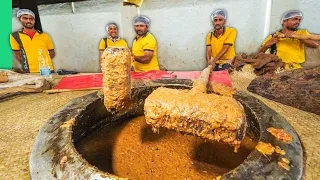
x=180, y=27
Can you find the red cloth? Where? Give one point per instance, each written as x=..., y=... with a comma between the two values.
x=95, y=80
x=30, y=33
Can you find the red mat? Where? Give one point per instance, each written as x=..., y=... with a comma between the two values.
x=95, y=80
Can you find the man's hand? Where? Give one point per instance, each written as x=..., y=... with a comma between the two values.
x=275, y=39
x=212, y=62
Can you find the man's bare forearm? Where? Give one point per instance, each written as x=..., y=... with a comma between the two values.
x=310, y=43
x=221, y=53
x=52, y=53
x=100, y=57
x=143, y=59
x=17, y=54
x=263, y=49
x=208, y=53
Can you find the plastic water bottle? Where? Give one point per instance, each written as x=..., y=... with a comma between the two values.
x=44, y=65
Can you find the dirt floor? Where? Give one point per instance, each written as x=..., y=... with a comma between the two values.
x=20, y=119
x=22, y=116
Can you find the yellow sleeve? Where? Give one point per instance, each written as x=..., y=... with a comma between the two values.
x=50, y=45
x=14, y=44
x=208, y=40
x=125, y=43
x=102, y=45
x=231, y=38
x=303, y=32
x=151, y=44
x=266, y=40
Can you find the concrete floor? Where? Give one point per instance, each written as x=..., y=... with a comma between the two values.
x=22, y=116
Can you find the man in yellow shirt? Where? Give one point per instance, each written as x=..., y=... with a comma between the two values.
x=27, y=43
x=220, y=42
x=144, y=48
x=282, y=43
x=112, y=40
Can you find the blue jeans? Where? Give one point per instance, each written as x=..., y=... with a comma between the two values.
x=221, y=67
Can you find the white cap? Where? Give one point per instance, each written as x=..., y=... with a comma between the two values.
x=290, y=14
x=111, y=24
x=219, y=12
x=144, y=20
x=25, y=11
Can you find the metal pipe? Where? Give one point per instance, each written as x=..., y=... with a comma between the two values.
x=267, y=20
x=73, y=7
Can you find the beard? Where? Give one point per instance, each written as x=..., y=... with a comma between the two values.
x=140, y=32
x=217, y=27
x=293, y=28
x=28, y=25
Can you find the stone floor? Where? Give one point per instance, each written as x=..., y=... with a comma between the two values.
x=22, y=116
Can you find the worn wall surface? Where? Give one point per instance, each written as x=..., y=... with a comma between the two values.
x=180, y=27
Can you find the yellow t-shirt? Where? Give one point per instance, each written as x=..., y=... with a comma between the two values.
x=110, y=43
x=140, y=44
x=228, y=37
x=290, y=50
x=32, y=46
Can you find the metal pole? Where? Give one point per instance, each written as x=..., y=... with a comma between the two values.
x=32, y=5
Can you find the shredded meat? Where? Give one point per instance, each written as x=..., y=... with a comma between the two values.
x=116, y=64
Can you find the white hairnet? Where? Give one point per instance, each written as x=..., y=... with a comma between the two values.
x=111, y=24
x=290, y=14
x=25, y=11
x=141, y=20
x=219, y=12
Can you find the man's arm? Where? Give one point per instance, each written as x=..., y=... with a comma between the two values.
x=52, y=53
x=271, y=40
x=309, y=40
x=15, y=48
x=100, y=57
x=208, y=47
x=310, y=43
x=221, y=53
x=17, y=54
x=144, y=59
x=208, y=52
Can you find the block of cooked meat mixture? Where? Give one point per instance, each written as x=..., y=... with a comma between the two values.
x=209, y=116
x=3, y=77
x=116, y=64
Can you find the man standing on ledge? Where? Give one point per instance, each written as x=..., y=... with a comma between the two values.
x=220, y=42
x=144, y=48
x=283, y=44
x=27, y=43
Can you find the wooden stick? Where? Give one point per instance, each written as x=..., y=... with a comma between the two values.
x=200, y=84
x=51, y=91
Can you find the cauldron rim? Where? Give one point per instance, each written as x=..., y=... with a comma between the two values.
x=53, y=143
